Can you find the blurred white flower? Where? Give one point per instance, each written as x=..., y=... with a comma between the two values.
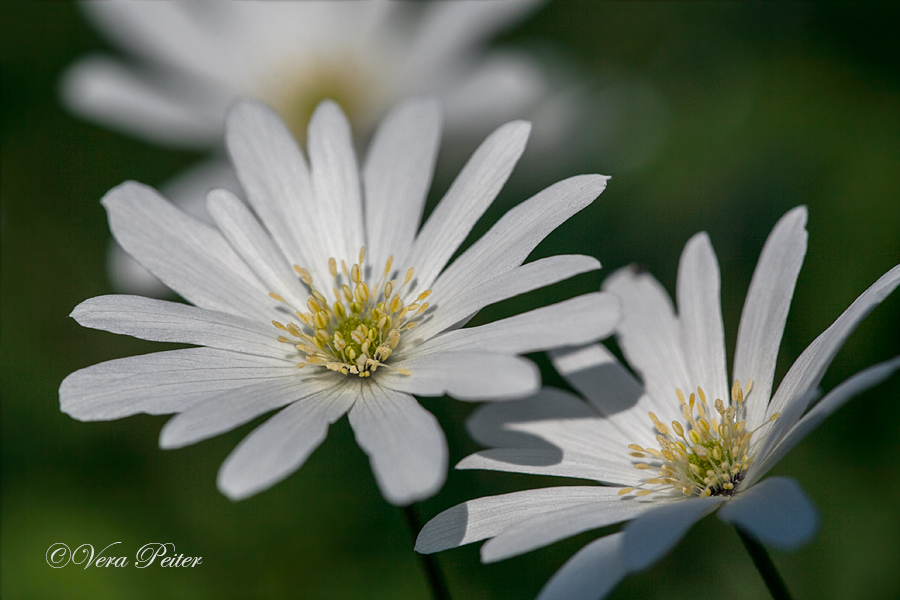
x=261, y=288
x=193, y=59
x=675, y=447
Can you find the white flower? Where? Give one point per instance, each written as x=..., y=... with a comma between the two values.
x=675, y=447
x=195, y=58
x=191, y=60
x=325, y=270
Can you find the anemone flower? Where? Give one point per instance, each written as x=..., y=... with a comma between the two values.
x=678, y=444
x=320, y=298
x=188, y=61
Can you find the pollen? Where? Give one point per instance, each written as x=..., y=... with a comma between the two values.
x=706, y=455
x=357, y=331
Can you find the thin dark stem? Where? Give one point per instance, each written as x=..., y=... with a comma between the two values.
x=766, y=567
x=439, y=590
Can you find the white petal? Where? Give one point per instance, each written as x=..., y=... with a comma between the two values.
x=700, y=317
x=282, y=444
x=396, y=177
x=162, y=32
x=503, y=84
x=650, y=536
x=650, y=338
x=471, y=193
x=591, y=574
x=188, y=189
x=335, y=178
x=455, y=309
x=186, y=254
x=105, y=91
x=553, y=419
x=766, y=308
x=805, y=374
x=599, y=377
x=449, y=29
x=509, y=242
x=160, y=383
x=127, y=276
x=405, y=444
x=163, y=321
x=823, y=409
x=465, y=376
x=575, y=321
x=223, y=412
x=544, y=529
x=273, y=173
x=486, y=517
x=776, y=512
x=536, y=461
x=254, y=245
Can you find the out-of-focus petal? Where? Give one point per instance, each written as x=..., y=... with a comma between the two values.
x=405, y=444
x=282, y=444
x=649, y=537
x=775, y=511
x=591, y=573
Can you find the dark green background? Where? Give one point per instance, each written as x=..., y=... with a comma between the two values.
x=766, y=106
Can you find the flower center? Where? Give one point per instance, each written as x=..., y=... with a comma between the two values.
x=706, y=457
x=359, y=331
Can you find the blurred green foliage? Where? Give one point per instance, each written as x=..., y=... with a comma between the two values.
x=759, y=107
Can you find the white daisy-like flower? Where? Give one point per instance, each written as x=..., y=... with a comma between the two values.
x=195, y=58
x=675, y=446
x=321, y=298
x=190, y=60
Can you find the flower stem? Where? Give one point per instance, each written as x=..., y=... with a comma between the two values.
x=765, y=566
x=439, y=590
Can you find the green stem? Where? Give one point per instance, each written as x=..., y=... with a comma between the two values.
x=439, y=590
x=765, y=566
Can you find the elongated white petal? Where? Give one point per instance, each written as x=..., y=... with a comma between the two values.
x=509, y=242
x=335, y=179
x=163, y=321
x=486, y=517
x=160, y=383
x=186, y=254
x=775, y=511
x=553, y=419
x=106, y=91
x=537, y=461
x=766, y=308
x=600, y=378
x=823, y=409
x=651, y=535
x=574, y=321
x=273, y=173
x=449, y=29
x=455, y=309
x=161, y=32
x=255, y=246
x=700, y=317
x=805, y=374
x=591, y=573
x=650, y=337
x=465, y=376
x=223, y=412
x=544, y=529
x=282, y=444
x=471, y=193
x=396, y=178
x=405, y=444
